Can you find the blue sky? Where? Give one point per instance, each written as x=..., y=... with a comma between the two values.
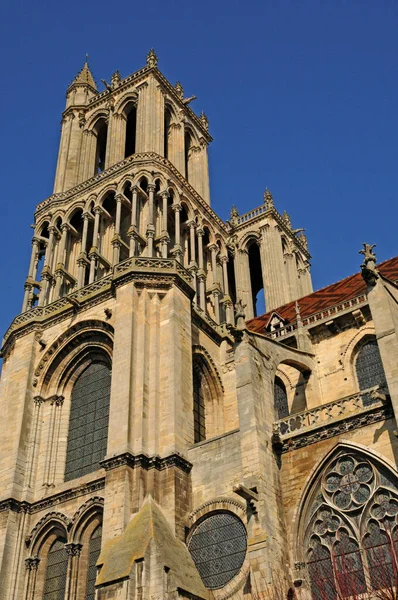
x=301, y=97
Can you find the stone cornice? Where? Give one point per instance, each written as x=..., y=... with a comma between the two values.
x=146, y=462
x=120, y=169
x=145, y=272
x=11, y=504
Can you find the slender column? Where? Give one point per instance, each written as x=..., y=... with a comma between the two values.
x=94, y=246
x=216, y=291
x=224, y=262
x=201, y=272
x=29, y=282
x=213, y=249
x=34, y=440
x=61, y=259
x=31, y=565
x=177, y=250
x=82, y=260
x=227, y=299
x=33, y=257
x=192, y=265
x=192, y=226
x=73, y=551
x=56, y=403
x=46, y=275
x=133, y=226
x=116, y=239
x=165, y=235
x=150, y=231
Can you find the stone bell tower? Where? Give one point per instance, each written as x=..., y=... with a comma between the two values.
x=121, y=363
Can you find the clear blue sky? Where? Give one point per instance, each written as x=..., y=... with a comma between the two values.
x=301, y=97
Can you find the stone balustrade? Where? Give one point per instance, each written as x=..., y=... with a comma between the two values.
x=332, y=412
x=252, y=214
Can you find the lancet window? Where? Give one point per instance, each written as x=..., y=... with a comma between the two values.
x=57, y=564
x=369, y=368
x=93, y=555
x=131, y=128
x=89, y=415
x=351, y=535
x=280, y=398
x=101, y=130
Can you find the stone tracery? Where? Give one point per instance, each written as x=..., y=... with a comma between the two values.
x=352, y=528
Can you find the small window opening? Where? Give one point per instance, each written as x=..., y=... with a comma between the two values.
x=131, y=127
x=256, y=279
x=102, y=136
x=167, y=120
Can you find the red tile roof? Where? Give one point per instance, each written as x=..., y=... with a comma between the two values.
x=329, y=296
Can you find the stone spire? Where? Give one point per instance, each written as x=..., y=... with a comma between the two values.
x=85, y=77
x=286, y=219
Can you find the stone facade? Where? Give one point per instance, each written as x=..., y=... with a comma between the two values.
x=220, y=427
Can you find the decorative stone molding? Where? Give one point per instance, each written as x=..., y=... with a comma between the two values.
x=219, y=503
x=73, y=549
x=32, y=563
x=10, y=504
x=201, y=350
x=146, y=462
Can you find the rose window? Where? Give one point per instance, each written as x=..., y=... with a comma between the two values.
x=349, y=483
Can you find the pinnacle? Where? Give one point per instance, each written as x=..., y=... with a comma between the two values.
x=85, y=76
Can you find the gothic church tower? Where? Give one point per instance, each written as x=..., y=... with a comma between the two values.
x=124, y=362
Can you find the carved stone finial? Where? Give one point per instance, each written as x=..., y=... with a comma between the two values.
x=233, y=216
x=204, y=120
x=268, y=199
x=179, y=89
x=368, y=267
x=115, y=80
x=151, y=58
x=303, y=240
x=286, y=219
x=240, y=314
x=298, y=315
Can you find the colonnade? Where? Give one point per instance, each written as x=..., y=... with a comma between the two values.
x=67, y=255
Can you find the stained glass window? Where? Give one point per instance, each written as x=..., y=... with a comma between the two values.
x=218, y=547
x=88, y=425
x=94, y=552
x=369, y=368
x=353, y=495
x=280, y=398
x=199, y=419
x=57, y=563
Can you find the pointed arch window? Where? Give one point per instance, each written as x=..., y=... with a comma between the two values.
x=94, y=552
x=369, y=368
x=351, y=530
x=208, y=396
x=88, y=424
x=199, y=411
x=280, y=398
x=57, y=563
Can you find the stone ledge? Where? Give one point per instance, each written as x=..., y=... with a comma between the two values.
x=147, y=462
